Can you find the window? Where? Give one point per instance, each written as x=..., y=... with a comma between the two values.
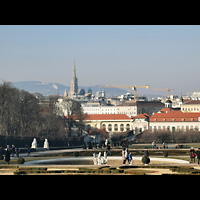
x=116, y=127
x=121, y=127
x=164, y=120
x=109, y=127
x=173, y=120
x=155, y=120
x=127, y=127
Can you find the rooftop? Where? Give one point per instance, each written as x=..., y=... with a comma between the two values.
x=171, y=115
x=107, y=117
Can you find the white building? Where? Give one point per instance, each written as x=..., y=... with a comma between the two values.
x=174, y=120
x=96, y=108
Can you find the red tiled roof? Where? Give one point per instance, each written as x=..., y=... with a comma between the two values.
x=177, y=116
x=192, y=102
x=107, y=117
x=142, y=116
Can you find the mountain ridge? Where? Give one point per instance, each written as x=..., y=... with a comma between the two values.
x=52, y=88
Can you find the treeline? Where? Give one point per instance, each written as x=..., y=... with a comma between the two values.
x=169, y=137
x=23, y=114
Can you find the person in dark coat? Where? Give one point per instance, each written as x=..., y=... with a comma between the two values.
x=192, y=155
x=198, y=155
x=146, y=152
x=7, y=156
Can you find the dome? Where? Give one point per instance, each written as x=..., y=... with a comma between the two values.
x=168, y=101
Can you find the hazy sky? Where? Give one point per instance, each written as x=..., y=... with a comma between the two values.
x=160, y=56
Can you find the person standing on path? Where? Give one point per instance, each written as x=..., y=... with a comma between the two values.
x=192, y=155
x=7, y=156
x=123, y=156
x=198, y=155
x=130, y=159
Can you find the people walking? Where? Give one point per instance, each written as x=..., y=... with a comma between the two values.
x=192, y=155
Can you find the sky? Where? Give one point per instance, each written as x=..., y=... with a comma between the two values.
x=162, y=56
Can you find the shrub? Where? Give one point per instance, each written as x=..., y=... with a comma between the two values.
x=165, y=154
x=21, y=161
x=84, y=145
x=145, y=160
x=76, y=154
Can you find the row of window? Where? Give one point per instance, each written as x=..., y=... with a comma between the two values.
x=173, y=128
x=121, y=127
x=190, y=109
x=173, y=120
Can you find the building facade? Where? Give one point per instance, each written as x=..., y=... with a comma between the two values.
x=174, y=120
x=192, y=106
x=109, y=122
x=96, y=108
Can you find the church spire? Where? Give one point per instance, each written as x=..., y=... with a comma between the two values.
x=74, y=70
x=74, y=82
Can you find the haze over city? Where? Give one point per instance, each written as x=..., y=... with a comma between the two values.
x=159, y=56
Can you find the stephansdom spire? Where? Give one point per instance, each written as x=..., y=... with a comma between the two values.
x=74, y=83
x=74, y=70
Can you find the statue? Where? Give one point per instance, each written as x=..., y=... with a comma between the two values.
x=34, y=144
x=95, y=159
x=46, y=144
x=105, y=158
x=100, y=160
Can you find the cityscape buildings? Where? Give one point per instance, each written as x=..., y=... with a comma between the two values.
x=124, y=113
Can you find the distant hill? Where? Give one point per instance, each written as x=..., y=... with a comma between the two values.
x=48, y=88
x=44, y=88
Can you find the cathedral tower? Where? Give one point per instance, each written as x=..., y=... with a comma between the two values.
x=74, y=82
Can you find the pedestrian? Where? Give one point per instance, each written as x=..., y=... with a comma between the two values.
x=192, y=155
x=146, y=156
x=109, y=149
x=17, y=152
x=28, y=151
x=123, y=156
x=130, y=159
x=146, y=152
x=198, y=155
x=7, y=156
x=126, y=155
x=13, y=150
